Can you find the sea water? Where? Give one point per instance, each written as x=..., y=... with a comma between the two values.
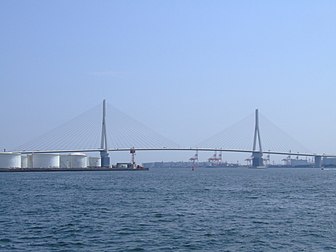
x=169, y=210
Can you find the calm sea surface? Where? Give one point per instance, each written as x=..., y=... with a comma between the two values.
x=169, y=210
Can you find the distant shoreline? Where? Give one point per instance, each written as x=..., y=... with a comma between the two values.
x=67, y=169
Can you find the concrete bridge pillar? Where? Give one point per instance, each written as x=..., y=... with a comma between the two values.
x=318, y=161
x=257, y=159
x=105, y=159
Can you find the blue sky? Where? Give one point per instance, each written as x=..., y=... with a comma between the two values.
x=187, y=69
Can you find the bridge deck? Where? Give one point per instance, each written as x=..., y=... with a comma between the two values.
x=180, y=149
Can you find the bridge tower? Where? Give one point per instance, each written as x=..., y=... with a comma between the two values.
x=105, y=159
x=257, y=159
x=318, y=161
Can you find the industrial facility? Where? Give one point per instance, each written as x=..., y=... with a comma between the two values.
x=12, y=160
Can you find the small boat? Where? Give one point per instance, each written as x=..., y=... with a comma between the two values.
x=129, y=166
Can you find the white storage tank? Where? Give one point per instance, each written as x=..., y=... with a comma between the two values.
x=94, y=162
x=44, y=160
x=73, y=160
x=10, y=160
x=24, y=161
x=78, y=160
x=30, y=161
x=65, y=161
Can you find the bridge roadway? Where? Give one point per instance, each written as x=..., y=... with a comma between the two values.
x=181, y=149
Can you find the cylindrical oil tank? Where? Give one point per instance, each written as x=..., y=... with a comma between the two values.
x=44, y=160
x=10, y=160
x=94, y=162
x=78, y=160
x=73, y=160
x=24, y=161
x=30, y=161
x=65, y=161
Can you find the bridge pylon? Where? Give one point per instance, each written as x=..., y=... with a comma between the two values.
x=317, y=161
x=257, y=159
x=105, y=159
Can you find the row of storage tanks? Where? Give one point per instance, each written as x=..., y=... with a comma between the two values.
x=49, y=160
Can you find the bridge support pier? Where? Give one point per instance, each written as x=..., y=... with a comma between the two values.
x=257, y=159
x=105, y=159
x=104, y=156
x=318, y=161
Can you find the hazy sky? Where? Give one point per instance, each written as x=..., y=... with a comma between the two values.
x=187, y=69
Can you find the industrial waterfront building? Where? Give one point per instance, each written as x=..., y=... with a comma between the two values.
x=12, y=160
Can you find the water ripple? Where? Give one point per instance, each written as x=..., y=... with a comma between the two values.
x=169, y=210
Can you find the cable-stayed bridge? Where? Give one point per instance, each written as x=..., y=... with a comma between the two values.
x=105, y=129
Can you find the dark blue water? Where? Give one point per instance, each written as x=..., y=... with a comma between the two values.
x=169, y=210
